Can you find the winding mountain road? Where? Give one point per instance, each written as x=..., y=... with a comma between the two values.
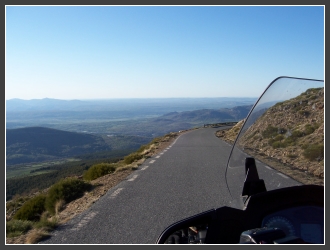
x=186, y=178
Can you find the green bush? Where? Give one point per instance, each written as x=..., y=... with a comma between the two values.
x=290, y=141
x=278, y=144
x=296, y=134
x=67, y=190
x=31, y=209
x=99, y=170
x=17, y=227
x=309, y=129
x=314, y=152
x=269, y=132
x=279, y=138
x=132, y=157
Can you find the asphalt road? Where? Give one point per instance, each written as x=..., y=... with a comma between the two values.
x=186, y=178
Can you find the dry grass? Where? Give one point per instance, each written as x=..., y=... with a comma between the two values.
x=59, y=206
x=35, y=235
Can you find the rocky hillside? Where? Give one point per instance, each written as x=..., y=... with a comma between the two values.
x=291, y=134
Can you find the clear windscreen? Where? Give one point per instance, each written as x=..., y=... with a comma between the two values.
x=284, y=132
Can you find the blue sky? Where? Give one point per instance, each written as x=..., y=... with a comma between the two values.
x=94, y=52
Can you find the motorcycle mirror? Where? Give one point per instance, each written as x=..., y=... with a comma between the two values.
x=252, y=183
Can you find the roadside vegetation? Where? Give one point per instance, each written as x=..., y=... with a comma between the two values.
x=39, y=212
x=48, y=174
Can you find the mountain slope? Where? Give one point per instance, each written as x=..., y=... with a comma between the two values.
x=289, y=132
x=207, y=115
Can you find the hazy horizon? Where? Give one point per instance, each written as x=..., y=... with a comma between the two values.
x=136, y=98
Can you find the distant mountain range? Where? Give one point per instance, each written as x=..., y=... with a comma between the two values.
x=161, y=105
x=35, y=144
x=52, y=112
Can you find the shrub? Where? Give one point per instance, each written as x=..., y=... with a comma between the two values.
x=279, y=138
x=17, y=227
x=13, y=205
x=278, y=144
x=31, y=209
x=269, y=132
x=309, y=129
x=132, y=157
x=67, y=190
x=296, y=134
x=314, y=152
x=291, y=140
x=99, y=170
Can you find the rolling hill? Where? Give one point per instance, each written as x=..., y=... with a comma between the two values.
x=34, y=144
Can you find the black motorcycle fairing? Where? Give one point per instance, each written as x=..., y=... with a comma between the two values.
x=228, y=224
x=225, y=224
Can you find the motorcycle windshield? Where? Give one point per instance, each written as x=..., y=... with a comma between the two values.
x=284, y=133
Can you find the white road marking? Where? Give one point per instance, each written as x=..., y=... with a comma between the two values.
x=162, y=153
x=152, y=161
x=144, y=168
x=268, y=167
x=115, y=193
x=157, y=156
x=284, y=176
x=133, y=178
x=84, y=221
